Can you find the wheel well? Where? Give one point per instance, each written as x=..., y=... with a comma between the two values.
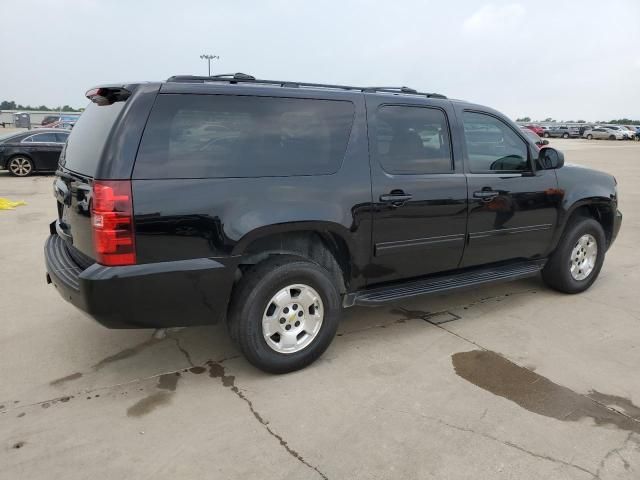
x=326, y=249
x=600, y=212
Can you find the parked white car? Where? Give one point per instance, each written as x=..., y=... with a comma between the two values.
x=626, y=134
x=631, y=130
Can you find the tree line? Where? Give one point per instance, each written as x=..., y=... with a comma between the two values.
x=11, y=105
x=620, y=121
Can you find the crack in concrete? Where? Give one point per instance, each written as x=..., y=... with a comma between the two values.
x=183, y=350
x=216, y=370
x=506, y=443
x=616, y=451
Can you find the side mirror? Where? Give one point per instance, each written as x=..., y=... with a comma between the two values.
x=549, y=158
x=545, y=141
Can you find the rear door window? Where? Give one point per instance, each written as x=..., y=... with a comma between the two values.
x=204, y=136
x=413, y=140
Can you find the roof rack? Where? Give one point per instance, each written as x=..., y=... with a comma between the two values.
x=234, y=78
x=406, y=90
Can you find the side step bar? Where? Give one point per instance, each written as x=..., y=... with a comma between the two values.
x=444, y=283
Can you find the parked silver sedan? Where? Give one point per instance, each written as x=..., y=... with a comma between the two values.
x=602, y=133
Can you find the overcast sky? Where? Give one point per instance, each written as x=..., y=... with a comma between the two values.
x=568, y=60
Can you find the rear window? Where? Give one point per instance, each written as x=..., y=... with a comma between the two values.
x=204, y=136
x=88, y=138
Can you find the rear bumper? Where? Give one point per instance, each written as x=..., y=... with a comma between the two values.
x=155, y=295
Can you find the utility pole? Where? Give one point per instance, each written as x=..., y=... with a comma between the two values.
x=208, y=57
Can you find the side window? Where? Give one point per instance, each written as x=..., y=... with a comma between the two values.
x=412, y=140
x=61, y=137
x=492, y=146
x=209, y=136
x=43, y=138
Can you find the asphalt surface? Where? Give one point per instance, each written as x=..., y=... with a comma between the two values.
x=506, y=382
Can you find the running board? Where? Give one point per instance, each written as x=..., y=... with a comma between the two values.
x=444, y=284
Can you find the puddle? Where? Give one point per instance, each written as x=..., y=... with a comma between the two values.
x=620, y=404
x=168, y=381
x=149, y=404
x=68, y=378
x=535, y=393
x=217, y=371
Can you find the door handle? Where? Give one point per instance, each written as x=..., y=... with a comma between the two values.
x=396, y=199
x=486, y=195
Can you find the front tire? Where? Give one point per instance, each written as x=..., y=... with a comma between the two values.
x=20, y=166
x=565, y=135
x=612, y=137
x=284, y=313
x=578, y=258
x=546, y=135
x=589, y=137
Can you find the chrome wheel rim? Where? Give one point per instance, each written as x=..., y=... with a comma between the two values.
x=583, y=257
x=292, y=319
x=20, y=166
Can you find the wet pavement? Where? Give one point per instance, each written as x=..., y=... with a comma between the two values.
x=510, y=381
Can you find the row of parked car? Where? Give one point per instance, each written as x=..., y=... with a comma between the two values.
x=604, y=132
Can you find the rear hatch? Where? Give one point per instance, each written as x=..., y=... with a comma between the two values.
x=72, y=186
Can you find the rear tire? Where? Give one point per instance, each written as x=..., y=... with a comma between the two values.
x=589, y=137
x=572, y=268
x=20, y=166
x=284, y=313
x=565, y=135
x=546, y=135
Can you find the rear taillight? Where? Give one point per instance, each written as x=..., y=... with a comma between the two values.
x=112, y=222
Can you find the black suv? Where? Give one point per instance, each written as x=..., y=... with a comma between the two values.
x=274, y=205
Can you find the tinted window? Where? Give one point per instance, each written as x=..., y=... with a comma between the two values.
x=42, y=138
x=199, y=136
x=88, y=137
x=492, y=145
x=412, y=140
x=61, y=137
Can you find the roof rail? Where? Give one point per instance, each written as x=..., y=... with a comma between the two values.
x=235, y=78
x=407, y=90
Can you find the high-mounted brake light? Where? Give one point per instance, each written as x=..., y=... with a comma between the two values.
x=107, y=95
x=112, y=222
